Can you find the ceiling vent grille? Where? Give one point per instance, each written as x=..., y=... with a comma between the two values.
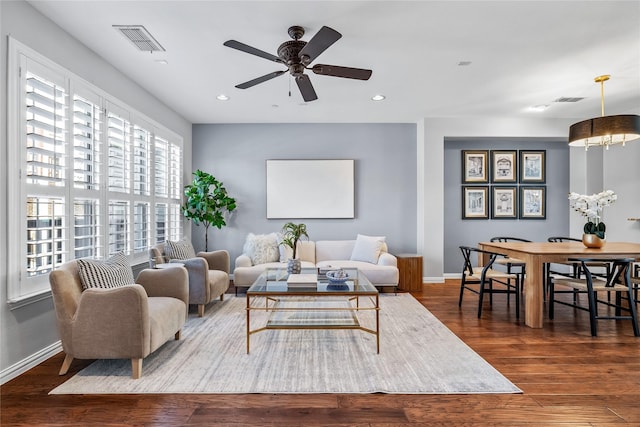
x=568, y=99
x=140, y=37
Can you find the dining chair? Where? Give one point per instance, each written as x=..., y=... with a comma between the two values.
x=486, y=280
x=513, y=265
x=618, y=282
x=572, y=269
x=635, y=281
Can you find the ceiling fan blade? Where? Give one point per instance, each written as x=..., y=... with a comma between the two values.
x=306, y=88
x=318, y=44
x=259, y=80
x=234, y=44
x=346, y=72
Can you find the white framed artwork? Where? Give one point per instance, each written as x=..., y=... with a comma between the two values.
x=310, y=189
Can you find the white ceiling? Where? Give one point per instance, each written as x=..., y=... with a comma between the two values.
x=522, y=53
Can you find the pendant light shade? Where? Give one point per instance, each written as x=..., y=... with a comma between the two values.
x=604, y=130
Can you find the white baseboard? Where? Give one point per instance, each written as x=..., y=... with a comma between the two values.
x=453, y=275
x=25, y=364
x=433, y=280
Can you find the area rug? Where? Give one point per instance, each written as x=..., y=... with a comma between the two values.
x=418, y=355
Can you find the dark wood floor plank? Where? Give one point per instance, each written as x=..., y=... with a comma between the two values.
x=568, y=377
x=303, y=416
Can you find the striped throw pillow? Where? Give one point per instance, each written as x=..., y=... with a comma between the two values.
x=112, y=273
x=182, y=249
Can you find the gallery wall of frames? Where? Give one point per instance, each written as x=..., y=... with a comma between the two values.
x=503, y=184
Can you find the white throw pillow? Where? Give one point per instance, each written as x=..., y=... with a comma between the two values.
x=261, y=248
x=367, y=248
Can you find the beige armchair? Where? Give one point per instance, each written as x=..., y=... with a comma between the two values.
x=208, y=274
x=126, y=322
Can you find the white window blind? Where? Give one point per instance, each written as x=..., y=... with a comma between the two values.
x=141, y=227
x=162, y=222
x=87, y=131
x=118, y=226
x=46, y=234
x=45, y=130
x=161, y=167
x=141, y=160
x=119, y=149
x=87, y=230
x=175, y=222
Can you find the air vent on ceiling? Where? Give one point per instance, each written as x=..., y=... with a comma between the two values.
x=568, y=99
x=140, y=37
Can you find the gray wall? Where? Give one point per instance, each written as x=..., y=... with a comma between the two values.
x=385, y=177
x=469, y=232
x=29, y=333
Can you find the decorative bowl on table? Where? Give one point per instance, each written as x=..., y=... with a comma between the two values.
x=337, y=276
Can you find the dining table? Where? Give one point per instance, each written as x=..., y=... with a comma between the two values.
x=536, y=254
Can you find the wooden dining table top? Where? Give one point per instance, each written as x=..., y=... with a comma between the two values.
x=576, y=249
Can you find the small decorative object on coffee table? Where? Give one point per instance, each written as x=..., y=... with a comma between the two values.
x=337, y=276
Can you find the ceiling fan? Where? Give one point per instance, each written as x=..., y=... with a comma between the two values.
x=296, y=55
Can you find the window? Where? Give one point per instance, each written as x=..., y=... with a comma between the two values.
x=92, y=176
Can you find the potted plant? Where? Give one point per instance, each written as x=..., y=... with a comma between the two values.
x=207, y=202
x=591, y=207
x=291, y=234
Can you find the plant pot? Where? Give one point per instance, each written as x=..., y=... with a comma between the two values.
x=592, y=241
x=294, y=266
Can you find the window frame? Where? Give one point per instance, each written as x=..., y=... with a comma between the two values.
x=22, y=289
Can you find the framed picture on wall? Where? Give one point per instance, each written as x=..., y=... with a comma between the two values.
x=474, y=166
x=475, y=202
x=533, y=202
x=504, y=203
x=532, y=166
x=504, y=166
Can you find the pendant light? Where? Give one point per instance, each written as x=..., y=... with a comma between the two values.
x=604, y=130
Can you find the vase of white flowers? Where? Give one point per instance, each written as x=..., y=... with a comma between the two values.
x=591, y=207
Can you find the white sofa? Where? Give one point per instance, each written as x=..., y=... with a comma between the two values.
x=324, y=253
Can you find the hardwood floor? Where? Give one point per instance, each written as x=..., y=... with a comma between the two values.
x=568, y=378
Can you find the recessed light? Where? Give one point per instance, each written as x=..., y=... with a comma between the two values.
x=222, y=97
x=378, y=97
x=539, y=108
x=162, y=61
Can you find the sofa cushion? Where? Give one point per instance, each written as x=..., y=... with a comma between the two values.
x=367, y=248
x=378, y=275
x=262, y=248
x=111, y=273
x=243, y=277
x=333, y=249
x=181, y=249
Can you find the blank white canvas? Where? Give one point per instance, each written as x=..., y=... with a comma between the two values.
x=310, y=189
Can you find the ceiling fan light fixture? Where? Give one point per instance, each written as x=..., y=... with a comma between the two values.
x=605, y=130
x=378, y=97
x=222, y=97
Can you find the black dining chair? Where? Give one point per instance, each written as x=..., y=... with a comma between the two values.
x=560, y=270
x=484, y=279
x=513, y=265
x=618, y=282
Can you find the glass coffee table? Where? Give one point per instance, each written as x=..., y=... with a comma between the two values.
x=311, y=301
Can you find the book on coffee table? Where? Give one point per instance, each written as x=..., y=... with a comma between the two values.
x=302, y=280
